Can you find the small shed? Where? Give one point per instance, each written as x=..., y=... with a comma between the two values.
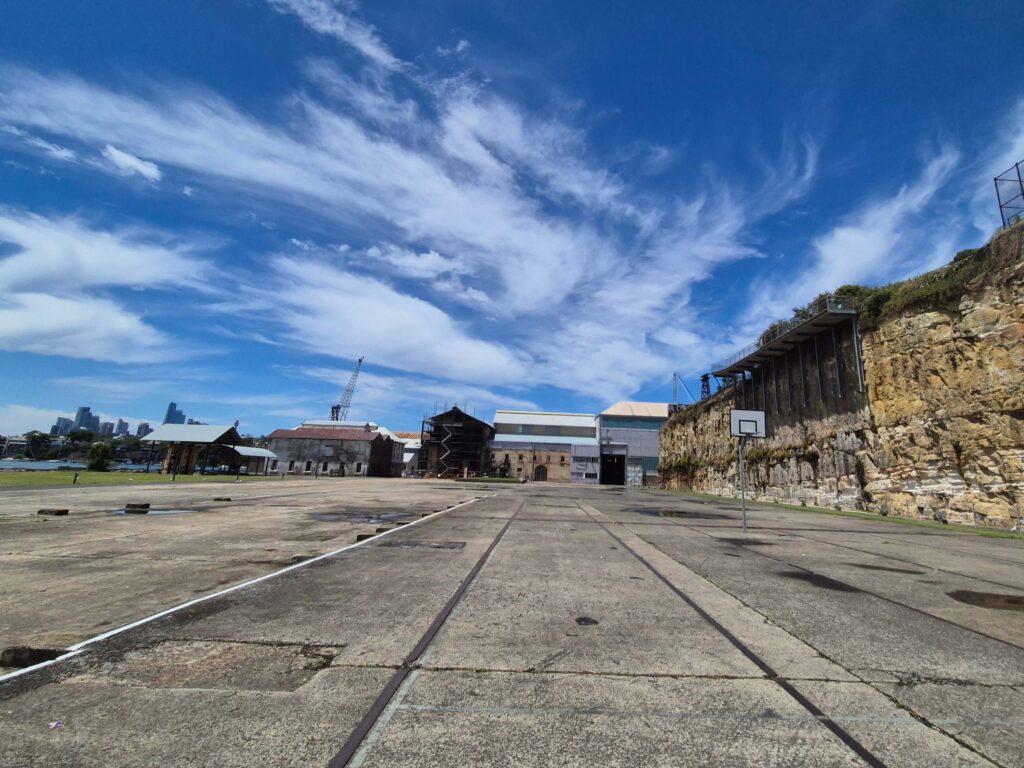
x=193, y=448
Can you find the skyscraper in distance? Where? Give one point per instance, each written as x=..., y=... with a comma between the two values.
x=173, y=415
x=82, y=417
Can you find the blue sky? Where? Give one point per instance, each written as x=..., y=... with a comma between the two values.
x=553, y=205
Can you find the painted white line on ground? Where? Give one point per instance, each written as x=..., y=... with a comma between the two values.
x=75, y=649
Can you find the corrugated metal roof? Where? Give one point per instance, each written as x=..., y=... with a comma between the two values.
x=545, y=418
x=408, y=435
x=193, y=433
x=542, y=440
x=253, y=453
x=324, y=433
x=633, y=408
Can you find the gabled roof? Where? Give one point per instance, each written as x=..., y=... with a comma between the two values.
x=253, y=453
x=203, y=434
x=325, y=433
x=642, y=410
x=407, y=435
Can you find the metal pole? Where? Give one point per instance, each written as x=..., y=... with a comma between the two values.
x=743, y=485
x=1000, y=201
x=149, y=458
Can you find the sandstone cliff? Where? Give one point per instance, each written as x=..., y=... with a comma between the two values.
x=938, y=431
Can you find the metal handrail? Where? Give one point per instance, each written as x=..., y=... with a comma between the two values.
x=826, y=303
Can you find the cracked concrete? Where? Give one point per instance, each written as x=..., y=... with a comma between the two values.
x=754, y=667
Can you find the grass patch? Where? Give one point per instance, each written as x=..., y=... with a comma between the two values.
x=60, y=477
x=992, y=533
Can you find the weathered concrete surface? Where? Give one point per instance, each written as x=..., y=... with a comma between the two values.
x=68, y=578
x=281, y=672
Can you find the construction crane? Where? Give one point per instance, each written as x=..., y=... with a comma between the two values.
x=339, y=412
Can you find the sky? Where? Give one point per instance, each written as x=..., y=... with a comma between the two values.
x=532, y=205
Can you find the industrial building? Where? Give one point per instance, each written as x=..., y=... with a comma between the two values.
x=334, y=451
x=629, y=436
x=397, y=445
x=537, y=445
x=455, y=444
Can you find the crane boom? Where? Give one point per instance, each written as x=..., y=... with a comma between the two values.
x=340, y=411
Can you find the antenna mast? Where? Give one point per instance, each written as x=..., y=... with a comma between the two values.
x=339, y=412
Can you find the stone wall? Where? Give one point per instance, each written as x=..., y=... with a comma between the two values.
x=937, y=433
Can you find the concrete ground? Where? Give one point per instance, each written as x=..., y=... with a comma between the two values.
x=540, y=625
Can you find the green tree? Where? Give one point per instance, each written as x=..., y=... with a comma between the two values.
x=99, y=457
x=36, y=444
x=81, y=436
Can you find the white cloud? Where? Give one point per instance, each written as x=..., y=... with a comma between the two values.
x=499, y=210
x=461, y=46
x=325, y=18
x=333, y=312
x=880, y=241
x=45, y=304
x=78, y=326
x=379, y=397
x=407, y=263
x=66, y=254
x=54, y=151
x=127, y=164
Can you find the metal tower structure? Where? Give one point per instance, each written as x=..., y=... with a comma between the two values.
x=339, y=412
x=705, y=386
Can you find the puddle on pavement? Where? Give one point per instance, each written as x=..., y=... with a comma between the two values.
x=586, y=621
x=423, y=544
x=994, y=600
x=887, y=569
x=819, y=580
x=359, y=517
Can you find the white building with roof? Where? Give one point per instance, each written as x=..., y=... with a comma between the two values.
x=542, y=445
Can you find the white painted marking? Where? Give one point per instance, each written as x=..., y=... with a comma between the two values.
x=75, y=649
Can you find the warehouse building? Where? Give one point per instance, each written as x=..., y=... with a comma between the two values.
x=539, y=446
x=333, y=451
x=397, y=446
x=629, y=435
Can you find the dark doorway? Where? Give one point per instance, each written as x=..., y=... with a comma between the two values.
x=540, y=473
x=613, y=469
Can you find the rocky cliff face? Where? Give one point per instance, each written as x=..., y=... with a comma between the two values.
x=939, y=432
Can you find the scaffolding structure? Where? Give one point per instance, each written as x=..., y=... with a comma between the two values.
x=455, y=444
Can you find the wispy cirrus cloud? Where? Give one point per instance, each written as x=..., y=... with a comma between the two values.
x=326, y=17
x=879, y=241
x=513, y=230
x=130, y=165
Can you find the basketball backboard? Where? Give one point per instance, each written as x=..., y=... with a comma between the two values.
x=747, y=423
